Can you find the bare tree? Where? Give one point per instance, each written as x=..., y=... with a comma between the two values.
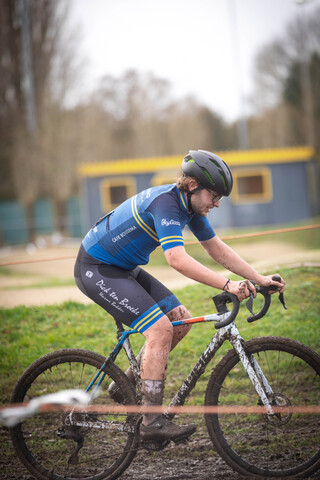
x=47, y=67
x=288, y=80
x=144, y=120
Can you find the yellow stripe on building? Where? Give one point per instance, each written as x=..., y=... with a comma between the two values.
x=173, y=163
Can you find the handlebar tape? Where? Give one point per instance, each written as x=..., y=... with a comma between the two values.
x=220, y=302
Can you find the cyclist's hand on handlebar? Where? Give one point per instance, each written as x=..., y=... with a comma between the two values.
x=276, y=286
x=241, y=289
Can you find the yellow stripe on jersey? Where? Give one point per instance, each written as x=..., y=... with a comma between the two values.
x=157, y=315
x=183, y=200
x=140, y=222
x=146, y=319
x=177, y=239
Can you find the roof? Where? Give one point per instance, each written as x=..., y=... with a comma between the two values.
x=232, y=158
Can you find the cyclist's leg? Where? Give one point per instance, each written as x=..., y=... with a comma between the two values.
x=168, y=303
x=156, y=350
x=179, y=332
x=153, y=385
x=153, y=369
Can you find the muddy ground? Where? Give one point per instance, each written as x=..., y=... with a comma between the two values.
x=191, y=461
x=184, y=462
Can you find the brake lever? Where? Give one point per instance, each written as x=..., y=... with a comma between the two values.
x=249, y=303
x=281, y=298
x=267, y=301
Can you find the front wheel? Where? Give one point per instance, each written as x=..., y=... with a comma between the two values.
x=283, y=445
x=91, y=446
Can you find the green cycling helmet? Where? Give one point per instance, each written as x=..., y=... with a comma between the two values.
x=209, y=170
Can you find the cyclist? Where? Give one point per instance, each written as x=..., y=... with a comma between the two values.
x=108, y=270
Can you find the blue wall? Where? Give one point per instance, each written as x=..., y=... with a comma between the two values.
x=13, y=223
x=290, y=200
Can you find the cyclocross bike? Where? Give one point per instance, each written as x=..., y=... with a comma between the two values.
x=268, y=371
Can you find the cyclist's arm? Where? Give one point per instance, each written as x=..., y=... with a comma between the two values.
x=229, y=259
x=181, y=261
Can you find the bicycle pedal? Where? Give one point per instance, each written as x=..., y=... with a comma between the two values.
x=154, y=446
x=180, y=441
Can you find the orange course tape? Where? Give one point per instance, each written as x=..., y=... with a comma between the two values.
x=191, y=409
x=231, y=237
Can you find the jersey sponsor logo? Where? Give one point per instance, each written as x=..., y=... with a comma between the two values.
x=123, y=234
x=167, y=223
x=89, y=274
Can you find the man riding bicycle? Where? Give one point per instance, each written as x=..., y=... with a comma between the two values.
x=108, y=270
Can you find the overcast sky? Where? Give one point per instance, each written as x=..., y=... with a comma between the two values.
x=203, y=47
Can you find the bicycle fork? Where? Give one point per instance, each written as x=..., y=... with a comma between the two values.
x=251, y=366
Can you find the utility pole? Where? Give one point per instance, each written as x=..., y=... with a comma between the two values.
x=306, y=80
x=26, y=66
x=242, y=123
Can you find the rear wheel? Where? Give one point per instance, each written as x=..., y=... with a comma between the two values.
x=89, y=446
x=283, y=445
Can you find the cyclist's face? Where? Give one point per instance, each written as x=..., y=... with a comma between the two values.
x=203, y=201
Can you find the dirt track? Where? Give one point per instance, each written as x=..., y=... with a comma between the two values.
x=20, y=285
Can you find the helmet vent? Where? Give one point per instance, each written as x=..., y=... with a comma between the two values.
x=216, y=163
x=209, y=176
x=223, y=180
x=219, y=170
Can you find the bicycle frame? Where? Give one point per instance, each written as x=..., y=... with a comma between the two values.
x=230, y=332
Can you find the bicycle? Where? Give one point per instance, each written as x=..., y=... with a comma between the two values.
x=267, y=371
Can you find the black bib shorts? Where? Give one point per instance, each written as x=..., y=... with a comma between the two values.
x=134, y=297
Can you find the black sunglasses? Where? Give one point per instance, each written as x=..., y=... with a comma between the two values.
x=215, y=197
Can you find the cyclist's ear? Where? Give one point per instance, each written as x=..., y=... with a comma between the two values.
x=193, y=184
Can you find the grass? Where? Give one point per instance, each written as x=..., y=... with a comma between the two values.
x=29, y=332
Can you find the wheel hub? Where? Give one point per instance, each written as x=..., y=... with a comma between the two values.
x=279, y=419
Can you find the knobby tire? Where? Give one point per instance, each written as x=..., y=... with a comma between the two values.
x=262, y=445
x=104, y=453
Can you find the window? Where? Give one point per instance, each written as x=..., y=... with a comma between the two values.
x=252, y=186
x=115, y=191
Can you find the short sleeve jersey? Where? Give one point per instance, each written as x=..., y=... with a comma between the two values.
x=139, y=225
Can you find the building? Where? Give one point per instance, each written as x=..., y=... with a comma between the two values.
x=270, y=186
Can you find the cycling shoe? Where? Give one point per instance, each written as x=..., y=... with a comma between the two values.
x=162, y=429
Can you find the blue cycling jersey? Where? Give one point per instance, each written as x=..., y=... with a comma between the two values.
x=153, y=217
